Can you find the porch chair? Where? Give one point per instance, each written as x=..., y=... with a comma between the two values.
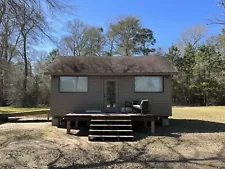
x=129, y=106
x=142, y=108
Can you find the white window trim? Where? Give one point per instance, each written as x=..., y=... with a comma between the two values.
x=145, y=91
x=59, y=85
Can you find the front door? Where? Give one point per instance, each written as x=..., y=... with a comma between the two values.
x=110, y=96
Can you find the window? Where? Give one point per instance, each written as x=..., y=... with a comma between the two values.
x=148, y=84
x=73, y=84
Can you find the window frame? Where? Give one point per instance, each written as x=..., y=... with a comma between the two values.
x=150, y=91
x=73, y=91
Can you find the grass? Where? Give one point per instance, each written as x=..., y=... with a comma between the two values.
x=208, y=113
x=14, y=109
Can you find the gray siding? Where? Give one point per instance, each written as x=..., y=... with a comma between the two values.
x=160, y=103
x=63, y=103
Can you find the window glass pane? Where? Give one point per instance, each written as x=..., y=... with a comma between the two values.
x=148, y=84
x=111, y=94
x=73, y=84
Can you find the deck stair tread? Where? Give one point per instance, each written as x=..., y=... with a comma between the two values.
x=100, y=120
x=91, y=130
x=111, y=125
x=124, y=136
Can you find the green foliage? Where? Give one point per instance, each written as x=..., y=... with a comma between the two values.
x=131, y=38
x=95, y=42
x=125, y=31
x=143, y=40
x=199, y=81
x=52, y=55
x=174, y=55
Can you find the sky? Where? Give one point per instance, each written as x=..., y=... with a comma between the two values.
x=166, y=18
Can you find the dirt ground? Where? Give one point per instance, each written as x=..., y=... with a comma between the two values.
x=186, y=143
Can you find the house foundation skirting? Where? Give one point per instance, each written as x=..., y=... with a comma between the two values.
x=164, y=121
x=73, y=117
x=55, y=121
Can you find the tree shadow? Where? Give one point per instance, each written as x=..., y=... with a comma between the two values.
x=3, y=122
x=21, y=120
x=192, y=126
x=3, y=118
x=82, y=132
x=175, y=129
x=179, y=126
x=125, y=156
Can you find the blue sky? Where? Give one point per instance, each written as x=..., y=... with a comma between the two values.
x=166, y=18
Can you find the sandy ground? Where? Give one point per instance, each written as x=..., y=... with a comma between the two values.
x=186, y=143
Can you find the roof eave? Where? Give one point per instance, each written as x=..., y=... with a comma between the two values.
x=108, y=74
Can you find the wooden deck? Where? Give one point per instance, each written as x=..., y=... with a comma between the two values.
x=134, y=117
x=108, y=118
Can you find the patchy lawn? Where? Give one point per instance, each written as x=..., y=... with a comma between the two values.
x=194, y=139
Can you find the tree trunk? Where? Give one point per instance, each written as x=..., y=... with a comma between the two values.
x=1, y=87
x=188, y=91
x=4, y=56
x=204, y=90
x=5, y=73
x=25, y=70
x=74, y=49
x=126, y=51
x=205, y=99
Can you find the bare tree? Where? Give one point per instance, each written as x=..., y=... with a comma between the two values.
x=2, y=9
x=193, y=35
x=83, y=40
x=30, y=22
x=22, y=24
x=110, y=43
x=219, y=20
x=76, y=40
x=9, y=39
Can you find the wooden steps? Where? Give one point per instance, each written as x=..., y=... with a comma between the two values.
x=111, y=120
x=110, y=136
x=110, y=125
x=111, y=128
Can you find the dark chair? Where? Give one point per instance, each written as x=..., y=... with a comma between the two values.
x=143, y=107
x=128, y=107
x=136, y=102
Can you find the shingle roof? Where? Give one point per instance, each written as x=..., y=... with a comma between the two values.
x=111, y=65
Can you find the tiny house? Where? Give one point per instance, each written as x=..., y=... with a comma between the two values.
x=103, y=84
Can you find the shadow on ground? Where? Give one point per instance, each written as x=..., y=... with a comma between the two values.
x=23, y=120
x=83, y=131
x=140, y=156
x=179, y=126
x=175, y=129
x=192, y=126
x=20, y=120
